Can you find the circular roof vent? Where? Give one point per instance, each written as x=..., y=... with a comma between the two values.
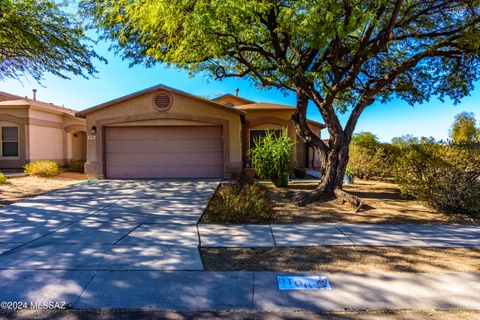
x=162, y=101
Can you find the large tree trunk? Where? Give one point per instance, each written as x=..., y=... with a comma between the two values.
x=335, y=156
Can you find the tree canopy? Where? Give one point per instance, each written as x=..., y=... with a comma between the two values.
x=464, y=130
x=38, y=36
x=365, y=138
x=342, y=47
x=339, y=55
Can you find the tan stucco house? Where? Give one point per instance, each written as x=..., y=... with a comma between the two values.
x=161, y=132
x=34, y=130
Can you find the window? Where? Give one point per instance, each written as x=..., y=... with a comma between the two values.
x=9, y=142
x=256, y=134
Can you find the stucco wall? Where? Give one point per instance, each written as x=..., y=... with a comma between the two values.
x=52, y=136
x=46, y=143
x=42, y=133
x=139, y=109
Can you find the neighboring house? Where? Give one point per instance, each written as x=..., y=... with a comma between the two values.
x=34, y=130
x=161, y=132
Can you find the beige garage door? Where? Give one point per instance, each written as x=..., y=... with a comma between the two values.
x=164, y=152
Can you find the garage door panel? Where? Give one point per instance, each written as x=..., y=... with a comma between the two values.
x=142, y=159
x=153, y=146
x=164, y=152
x=185, y=159
x=164, y=172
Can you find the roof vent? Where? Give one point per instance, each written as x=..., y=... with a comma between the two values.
x=162, y=101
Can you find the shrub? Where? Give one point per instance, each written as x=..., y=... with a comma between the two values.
x=374, y=160
x=239, y=203
x=75, y=165
x=272, y=157
x=42, y=168
x=444, y=176
x=3, y=179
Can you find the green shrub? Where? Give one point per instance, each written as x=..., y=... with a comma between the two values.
x=375, y=160
x=272, y=157
x=42, y=168
x=3, y=179
x=444, y=176
x=75, y=165
x=239, y=203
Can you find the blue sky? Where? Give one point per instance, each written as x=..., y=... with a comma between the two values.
x=116, y=79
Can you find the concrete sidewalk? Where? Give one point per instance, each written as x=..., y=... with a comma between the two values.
x=200, y=291
x=299, y=235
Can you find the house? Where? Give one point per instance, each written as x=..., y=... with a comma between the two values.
x=34, y=130
x=161, y=132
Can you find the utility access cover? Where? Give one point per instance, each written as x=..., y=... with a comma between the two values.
x=303, y=283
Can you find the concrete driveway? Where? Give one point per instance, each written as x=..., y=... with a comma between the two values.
x=107, y=225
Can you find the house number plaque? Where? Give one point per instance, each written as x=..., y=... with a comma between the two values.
x=303, y=283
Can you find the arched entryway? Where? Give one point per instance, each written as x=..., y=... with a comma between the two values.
x=76, y=143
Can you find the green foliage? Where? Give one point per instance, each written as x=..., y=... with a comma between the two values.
x=365, y=139
x=350, y=172
x=446, y=177
x=239, y=203
x=3, y=179
x=368, y=158
x=335, y=45
x=38, y=36
x=42, y=168
x=75, y=165
x=464, y=130
x=405, y=140
x=272, y=157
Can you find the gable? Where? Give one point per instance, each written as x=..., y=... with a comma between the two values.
x=232, y=100
x=148, y=94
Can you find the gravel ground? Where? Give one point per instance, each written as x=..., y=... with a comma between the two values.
x=17, y=189
x=342, y=259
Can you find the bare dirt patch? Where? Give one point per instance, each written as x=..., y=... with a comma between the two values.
x=17, y=189
x=383, y=199
x=342, y=259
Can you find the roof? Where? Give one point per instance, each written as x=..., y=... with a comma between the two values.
x=265, y=106
x=8, y=96
x=12, y=99
x=83, y=113
x=232, y=96
x=273, y=106
x=316, y=123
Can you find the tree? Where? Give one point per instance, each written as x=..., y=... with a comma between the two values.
x=365, y=139
x=37, y=36
x=405, y=140
x=338, y=55
x=463, y=129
